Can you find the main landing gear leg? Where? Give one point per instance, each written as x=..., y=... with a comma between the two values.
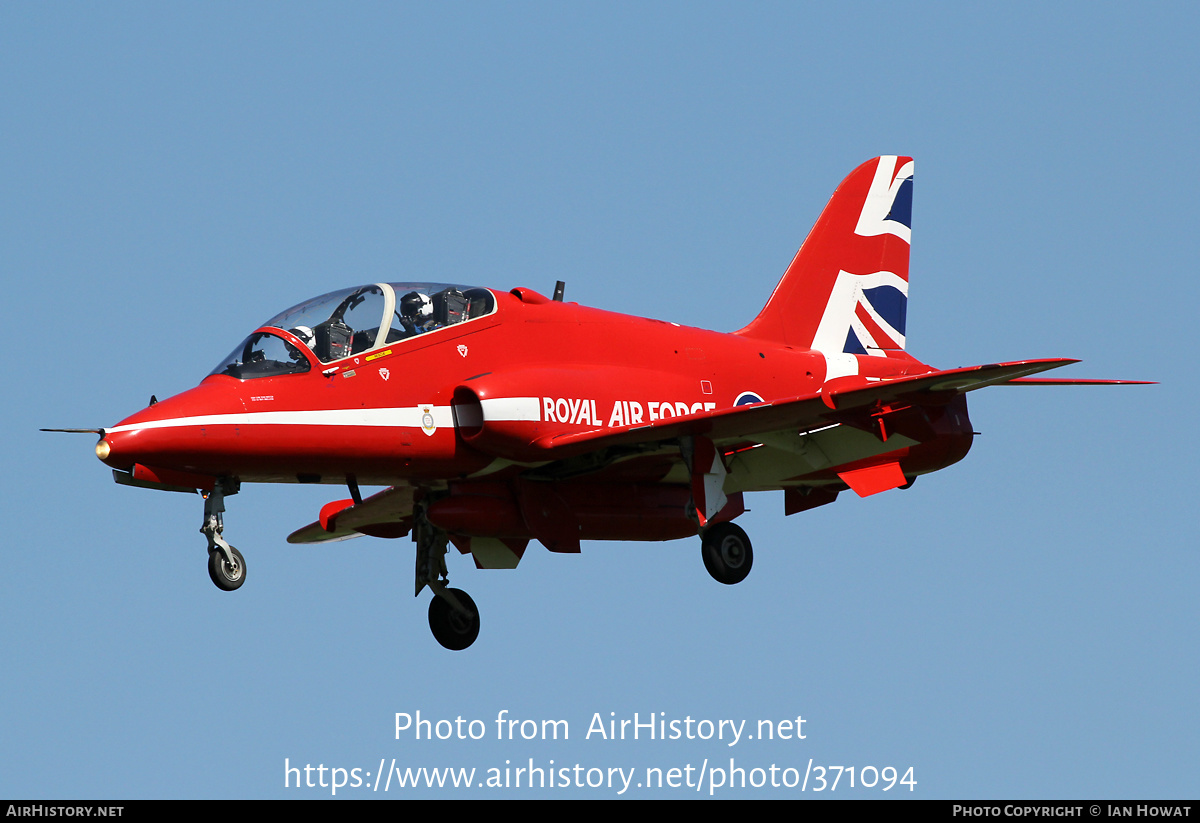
x=226, y=566
x=724, y=546
x=453, y=616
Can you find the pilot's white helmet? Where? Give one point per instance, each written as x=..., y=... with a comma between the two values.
x=305, y=334
x=416, y=306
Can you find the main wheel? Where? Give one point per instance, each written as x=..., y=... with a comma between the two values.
x=451, y=628
x=727, y=553
x=224, y=576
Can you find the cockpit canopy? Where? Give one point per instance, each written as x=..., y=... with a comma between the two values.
x=346, y=322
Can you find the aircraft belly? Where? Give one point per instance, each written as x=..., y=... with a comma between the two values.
x=679, y=474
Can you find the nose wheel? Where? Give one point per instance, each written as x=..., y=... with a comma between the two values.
x=727, y=553
x=226, y=566
x=226, y=575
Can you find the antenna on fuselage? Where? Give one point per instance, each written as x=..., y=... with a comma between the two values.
x=558, y=290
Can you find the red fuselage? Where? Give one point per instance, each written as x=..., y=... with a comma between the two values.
x=543, y=368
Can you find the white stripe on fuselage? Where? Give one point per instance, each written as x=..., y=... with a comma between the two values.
x=497, y=409
x=494, y=409
x=404, y=417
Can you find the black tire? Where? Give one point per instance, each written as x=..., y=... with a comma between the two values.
x=452, y=629
x=225, y=577
x=727, y=553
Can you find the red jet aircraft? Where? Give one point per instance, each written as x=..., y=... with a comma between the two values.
x=495, y=418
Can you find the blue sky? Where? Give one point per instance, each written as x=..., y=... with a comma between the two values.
x=1023, y=624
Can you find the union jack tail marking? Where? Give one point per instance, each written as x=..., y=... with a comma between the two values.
x=846, y=290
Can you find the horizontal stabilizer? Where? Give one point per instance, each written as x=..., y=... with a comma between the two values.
x=1056, y=381
x=795, y=413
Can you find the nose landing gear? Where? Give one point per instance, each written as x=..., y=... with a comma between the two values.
x=226, y=566
x=225, y=574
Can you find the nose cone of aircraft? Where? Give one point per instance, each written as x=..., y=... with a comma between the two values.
x=169, y=434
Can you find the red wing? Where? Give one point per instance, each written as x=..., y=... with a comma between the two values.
x=797, y=413
x=387, y=514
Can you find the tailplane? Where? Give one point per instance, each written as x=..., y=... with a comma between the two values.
x=846, y=291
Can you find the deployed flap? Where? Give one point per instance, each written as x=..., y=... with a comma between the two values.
x=874, y=479
x=387, y=514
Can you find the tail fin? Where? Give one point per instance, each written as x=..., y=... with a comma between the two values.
x=846, y=291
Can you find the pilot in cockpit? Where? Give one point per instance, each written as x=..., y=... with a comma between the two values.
x=305, y=334
x=307, y=337
x=416, y=313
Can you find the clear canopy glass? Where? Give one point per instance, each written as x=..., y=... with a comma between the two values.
x=349, y=321
x=263, y=355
